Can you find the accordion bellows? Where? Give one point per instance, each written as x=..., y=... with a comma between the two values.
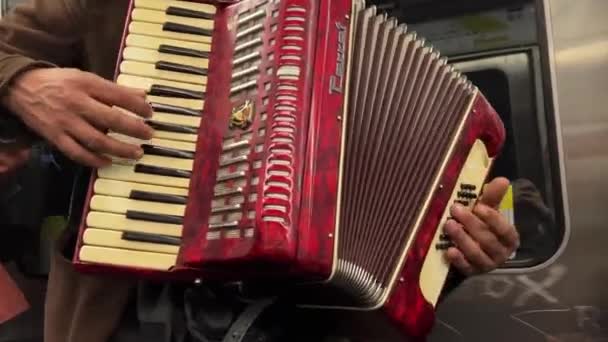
x=313, y=144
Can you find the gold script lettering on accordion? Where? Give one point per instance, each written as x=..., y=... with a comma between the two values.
x=318, y=144
x=336, y=82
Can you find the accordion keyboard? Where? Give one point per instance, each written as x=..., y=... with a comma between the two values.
x=137, y=207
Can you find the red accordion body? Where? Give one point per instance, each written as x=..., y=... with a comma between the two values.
x=284, y=164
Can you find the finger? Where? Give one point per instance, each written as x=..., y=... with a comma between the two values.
x=79, y=154
x=116, y=120
x=112, y=94
x=468, y=247
x=504, y=231
x=480, y=232
x=494, y=192
x=457, y=259
x=96, y=141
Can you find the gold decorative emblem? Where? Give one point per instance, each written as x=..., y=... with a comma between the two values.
x=242, y=116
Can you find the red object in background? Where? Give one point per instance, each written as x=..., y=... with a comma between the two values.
x=12, y=300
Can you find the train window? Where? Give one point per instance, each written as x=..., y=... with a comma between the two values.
x=509, y=82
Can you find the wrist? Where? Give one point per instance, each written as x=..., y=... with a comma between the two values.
x=12, y=128
x=10, y=97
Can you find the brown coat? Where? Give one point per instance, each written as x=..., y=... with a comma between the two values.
x=79, y=34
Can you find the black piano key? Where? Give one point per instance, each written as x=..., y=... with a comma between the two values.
x=156, y=197
x=466, y=186
x=175, y=67
x=167, y=152
x=464, y=203
x=161, y=90
x=181, y=51
x=466, y=195
x=160, y=218
x=151, y=238
x=184, y=12
x=162, y=171
x=167, y=127
x=181, y=28
x=444, y=245
x=161, y=107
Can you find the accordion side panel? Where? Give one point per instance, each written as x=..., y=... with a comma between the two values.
x=317, y=233
x=407, y=305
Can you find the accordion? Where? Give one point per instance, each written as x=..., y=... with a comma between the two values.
x=313, y=143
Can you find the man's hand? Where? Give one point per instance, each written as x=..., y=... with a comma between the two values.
x=483, y=238
x=72, y=110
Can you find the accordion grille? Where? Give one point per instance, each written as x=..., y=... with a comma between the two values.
x=405, y=105
x=247, y=55
x=287, y=108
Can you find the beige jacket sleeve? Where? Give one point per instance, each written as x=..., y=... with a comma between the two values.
x=39, y=33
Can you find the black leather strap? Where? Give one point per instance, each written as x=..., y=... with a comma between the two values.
x=239, y=328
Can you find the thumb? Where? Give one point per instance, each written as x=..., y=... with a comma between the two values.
x=493, y=192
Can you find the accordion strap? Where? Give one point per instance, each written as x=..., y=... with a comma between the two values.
x=238, y=329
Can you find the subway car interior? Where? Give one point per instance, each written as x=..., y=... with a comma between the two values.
x=543, y=65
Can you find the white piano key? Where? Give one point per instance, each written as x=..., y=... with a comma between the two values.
x=176, y=101
x=165, y=135
x=120, y=205
x=161, y=17
x=109, y=238
x=153, y=56
x=189, y=121
x=127, y=173
x=146, y=83
x=123, y=189
x=168, y=162
x=178, y=145
x=157, y=30
x=150, y=70
x=155, y=43
x=164, y=5
x=120, y=222
x=129, y=258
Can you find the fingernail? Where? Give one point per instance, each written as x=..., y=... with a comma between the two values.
x=449, y=227
x=138, y=153
x=457, y=208
x=149, y=132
